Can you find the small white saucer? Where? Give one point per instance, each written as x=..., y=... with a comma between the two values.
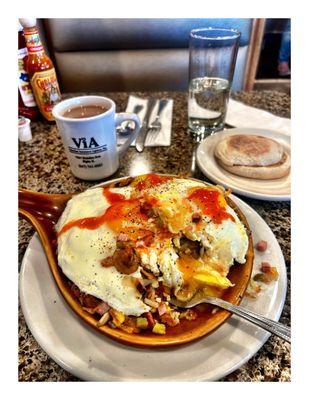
x=271, y=190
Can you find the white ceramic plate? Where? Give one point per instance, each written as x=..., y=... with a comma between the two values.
x=273, y=189
x=91, y=356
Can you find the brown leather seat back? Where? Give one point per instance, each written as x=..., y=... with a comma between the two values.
x=130, y=54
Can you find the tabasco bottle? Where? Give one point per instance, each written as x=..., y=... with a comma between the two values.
x=40, y=70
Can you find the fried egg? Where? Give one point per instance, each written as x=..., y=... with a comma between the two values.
x=188, y=238
x=81, y=250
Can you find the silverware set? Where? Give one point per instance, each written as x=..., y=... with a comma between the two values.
x=156, y=125
x=150, y=128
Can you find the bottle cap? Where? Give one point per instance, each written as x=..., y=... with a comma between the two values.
x=24, y=129
x=27, y=22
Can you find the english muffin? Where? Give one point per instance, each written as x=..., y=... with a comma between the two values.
x=253, y=157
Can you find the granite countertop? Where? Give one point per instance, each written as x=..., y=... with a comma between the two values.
x=44, y=167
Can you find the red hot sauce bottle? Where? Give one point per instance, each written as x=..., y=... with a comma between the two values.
x=41, y=70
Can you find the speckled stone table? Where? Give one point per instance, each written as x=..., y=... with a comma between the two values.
x=44, y=167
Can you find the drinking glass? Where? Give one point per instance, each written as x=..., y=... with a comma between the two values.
x=213, y=55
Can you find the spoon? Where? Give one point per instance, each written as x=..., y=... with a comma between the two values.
x=126, y=127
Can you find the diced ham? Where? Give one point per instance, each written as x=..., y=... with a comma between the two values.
x=90, y=301
x=265, y=267
x=101, y=308
x=261, y=245
x=86, y=300
x=170, y=319
x=123, y=237
x=76, y=292
x=149, y=318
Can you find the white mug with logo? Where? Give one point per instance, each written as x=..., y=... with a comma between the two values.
x=90, y=143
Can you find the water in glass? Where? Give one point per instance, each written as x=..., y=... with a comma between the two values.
x=207, y=104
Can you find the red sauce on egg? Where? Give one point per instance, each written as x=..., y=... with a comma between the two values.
x=112, y=197
x=120, y=210
x=135, y=212
x=114, y=215
x=209, y=202
x=152, y=180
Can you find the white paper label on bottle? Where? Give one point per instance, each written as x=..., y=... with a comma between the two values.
x=23, y=80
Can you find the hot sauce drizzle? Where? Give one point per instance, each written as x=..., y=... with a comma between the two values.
x=112, y=197
x=133, y=211
x=210, y=203
x=113, y=216
x=120, y=209
x=152, y=180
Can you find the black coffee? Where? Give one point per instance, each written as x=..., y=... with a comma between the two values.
x=85, y=111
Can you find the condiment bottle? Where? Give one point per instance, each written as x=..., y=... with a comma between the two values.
x=26, y=103
x=41, y=70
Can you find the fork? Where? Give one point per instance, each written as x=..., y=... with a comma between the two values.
x=278, y=329
x=156, y=125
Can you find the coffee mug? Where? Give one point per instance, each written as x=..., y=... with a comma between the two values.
x=90, y=142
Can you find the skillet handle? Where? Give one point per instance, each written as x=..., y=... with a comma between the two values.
x=41, y=210
x=30, y=200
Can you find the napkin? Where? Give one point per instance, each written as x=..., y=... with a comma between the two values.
x=243, y=116
x=163, y=137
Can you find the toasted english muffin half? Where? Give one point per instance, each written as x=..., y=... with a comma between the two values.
x=253, y=156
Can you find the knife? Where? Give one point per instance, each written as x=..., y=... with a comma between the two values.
x=141, y=139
